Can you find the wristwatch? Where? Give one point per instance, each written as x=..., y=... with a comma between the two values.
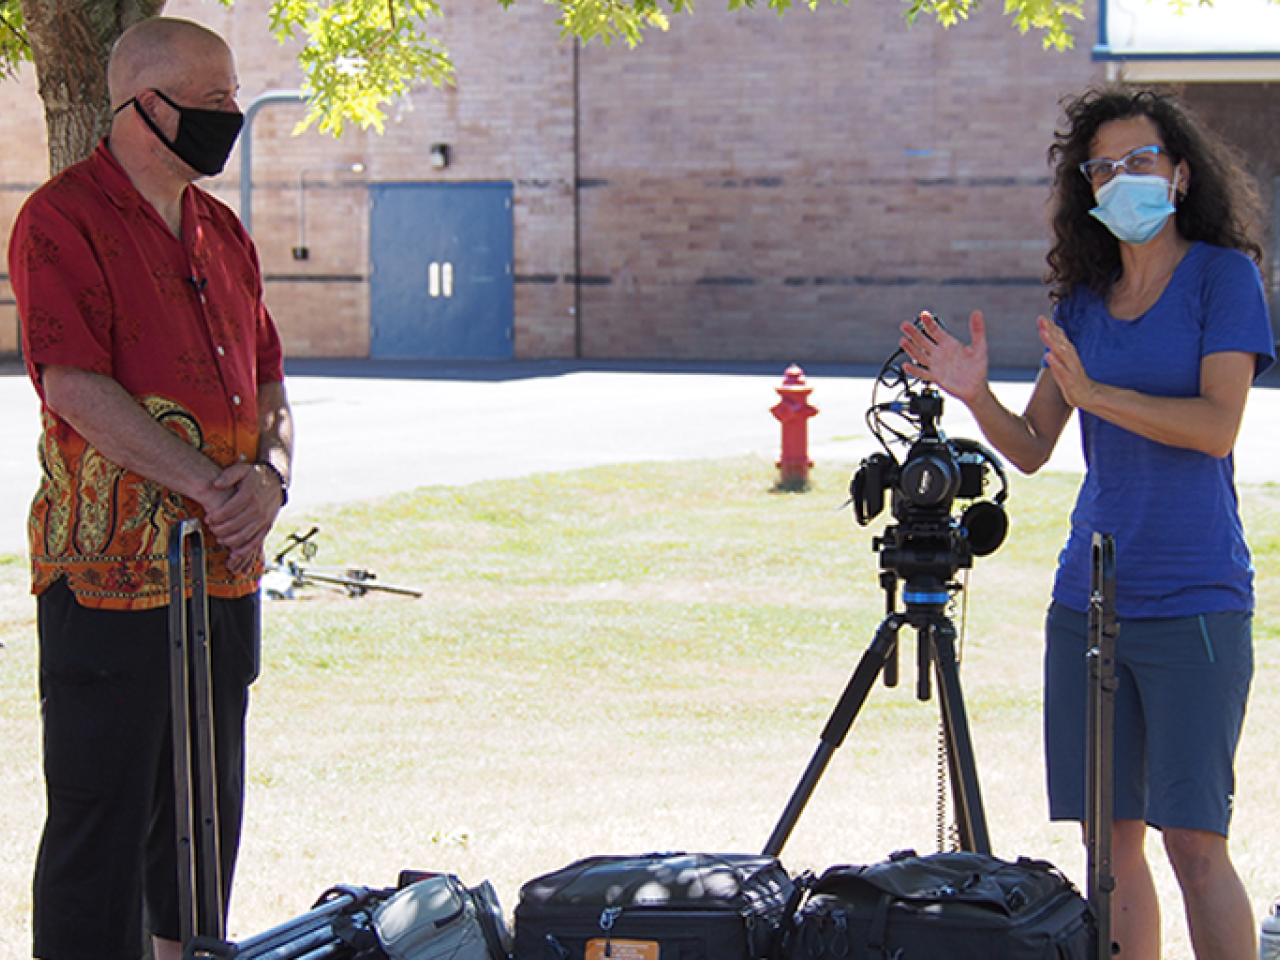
x=284, y=487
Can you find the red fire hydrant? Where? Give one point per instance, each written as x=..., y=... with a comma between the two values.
x=794, y=411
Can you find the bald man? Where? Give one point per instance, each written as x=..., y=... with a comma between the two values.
x=161, y=379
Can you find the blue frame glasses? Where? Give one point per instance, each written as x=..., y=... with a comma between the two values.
x=1139, y=162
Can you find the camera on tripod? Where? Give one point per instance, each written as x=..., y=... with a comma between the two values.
x=928, y=544
x=923, y=549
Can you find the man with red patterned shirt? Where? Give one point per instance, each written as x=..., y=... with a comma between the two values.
x=161, y=379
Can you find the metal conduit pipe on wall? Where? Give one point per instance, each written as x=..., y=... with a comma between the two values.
x=246, y=148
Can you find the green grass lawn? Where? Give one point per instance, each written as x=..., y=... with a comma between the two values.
x=622, y=660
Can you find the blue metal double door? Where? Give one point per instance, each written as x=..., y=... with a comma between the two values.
x=442, y=285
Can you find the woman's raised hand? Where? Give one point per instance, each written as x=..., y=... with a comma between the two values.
x=941, y=359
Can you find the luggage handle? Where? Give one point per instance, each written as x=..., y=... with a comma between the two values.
x=201, y=911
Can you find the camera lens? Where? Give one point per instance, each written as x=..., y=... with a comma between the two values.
x=929, y=479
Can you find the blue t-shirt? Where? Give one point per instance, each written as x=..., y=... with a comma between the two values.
x=1180, y=546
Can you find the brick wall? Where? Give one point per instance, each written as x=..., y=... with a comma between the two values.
x=24, y=163
x=508, y=117
x=1248, y=115
x=750, y=187
x=823, y=178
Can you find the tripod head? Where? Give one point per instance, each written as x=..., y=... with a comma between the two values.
x=923, y=474
x=928, y=544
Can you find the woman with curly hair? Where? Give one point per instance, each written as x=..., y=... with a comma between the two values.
x=1160, y=326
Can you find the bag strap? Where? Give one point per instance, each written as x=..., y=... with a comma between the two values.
x=879, y=927
x=840, y=945
x=810, y=936
x=788, y=926
x=492, y=923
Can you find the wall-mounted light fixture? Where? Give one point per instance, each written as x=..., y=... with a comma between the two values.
x=302, y=251
x=439, y=155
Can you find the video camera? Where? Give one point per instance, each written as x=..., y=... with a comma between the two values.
x=928, y=544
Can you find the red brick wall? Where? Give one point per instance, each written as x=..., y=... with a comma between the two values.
x=816, y=181
x=1248, y=115
x=24, y=163
x=508, y=117
x=750, y=187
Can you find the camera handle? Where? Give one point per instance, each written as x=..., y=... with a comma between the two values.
x=936, y=637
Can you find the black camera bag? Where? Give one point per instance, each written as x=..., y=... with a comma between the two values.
x=675, y=906
x=947, y=906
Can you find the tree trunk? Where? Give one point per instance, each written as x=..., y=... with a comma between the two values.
x=70, y=43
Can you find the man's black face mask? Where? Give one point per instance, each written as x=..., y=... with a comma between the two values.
x=204, y=139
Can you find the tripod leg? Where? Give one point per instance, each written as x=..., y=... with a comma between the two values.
x=837, y=728
x=179, y=693
x=970, y=816
x=200, y=903
x=211, y=919
x=1099, y=809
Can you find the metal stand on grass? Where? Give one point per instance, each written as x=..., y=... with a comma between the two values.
x=936, y=653
x=200, y=903
x=1099, y=812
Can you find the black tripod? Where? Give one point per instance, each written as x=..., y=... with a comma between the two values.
x=925, y=599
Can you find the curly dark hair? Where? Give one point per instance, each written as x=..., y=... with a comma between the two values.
x=1220, y=206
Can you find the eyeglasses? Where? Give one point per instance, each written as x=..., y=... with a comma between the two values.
x=1139, y=162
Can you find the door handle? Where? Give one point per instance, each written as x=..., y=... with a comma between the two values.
x=439, y=279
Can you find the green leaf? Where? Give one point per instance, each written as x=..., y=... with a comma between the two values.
x=360, y=55
x=14, y=48
x=1049, y=16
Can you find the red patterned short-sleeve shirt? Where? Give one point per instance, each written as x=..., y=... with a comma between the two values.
x=103, y=285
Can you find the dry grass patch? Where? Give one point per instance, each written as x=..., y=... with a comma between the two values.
x=622, y=659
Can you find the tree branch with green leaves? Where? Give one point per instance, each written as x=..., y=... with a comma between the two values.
x=359, y=56
x=15, y=48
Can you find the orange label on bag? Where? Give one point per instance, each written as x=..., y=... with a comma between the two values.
x=622, y=950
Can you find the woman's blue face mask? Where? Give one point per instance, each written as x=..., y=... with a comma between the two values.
x=1135, y=207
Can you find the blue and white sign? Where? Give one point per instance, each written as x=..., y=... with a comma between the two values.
x=1225, y=39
